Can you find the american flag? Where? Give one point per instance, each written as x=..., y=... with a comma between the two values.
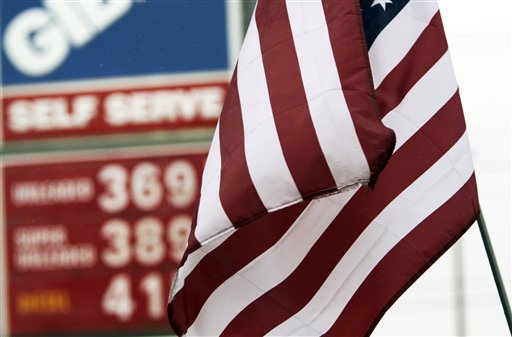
x=334, y=265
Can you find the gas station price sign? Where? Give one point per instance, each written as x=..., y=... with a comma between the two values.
x=107, y=68
x=94, y=239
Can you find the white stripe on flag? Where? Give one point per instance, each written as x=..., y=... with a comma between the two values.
x=194, y=258
x=267, y=166
x=211, y=217
x=399, y=218
x=237, y=292
x=398, y=37
x=329, y=111
x=427, y=96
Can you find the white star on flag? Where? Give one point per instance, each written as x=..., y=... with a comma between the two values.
x=383, y=3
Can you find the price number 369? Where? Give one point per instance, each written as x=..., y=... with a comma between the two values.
x=147, y=186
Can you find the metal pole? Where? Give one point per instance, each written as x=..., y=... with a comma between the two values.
x=460, y=293
x=495, y=270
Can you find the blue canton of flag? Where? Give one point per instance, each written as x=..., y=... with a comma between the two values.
x=376, y=18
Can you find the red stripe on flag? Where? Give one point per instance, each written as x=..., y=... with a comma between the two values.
x=413, y=255
x=294, y=125
x=235, y=181
x=356, y=80
x=406, y=165
x=235, y=253
x=426, y=51
x=193, y=243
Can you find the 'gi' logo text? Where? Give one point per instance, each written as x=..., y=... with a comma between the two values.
x=38, y=40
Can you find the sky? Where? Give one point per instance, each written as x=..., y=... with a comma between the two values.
x=441, y=302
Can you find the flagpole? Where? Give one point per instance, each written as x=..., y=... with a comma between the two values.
x=495, y=269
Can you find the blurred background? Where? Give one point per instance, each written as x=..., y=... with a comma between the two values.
x=108, y=108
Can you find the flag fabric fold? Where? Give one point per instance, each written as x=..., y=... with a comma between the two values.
x=300, y=119
x=299, y=122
